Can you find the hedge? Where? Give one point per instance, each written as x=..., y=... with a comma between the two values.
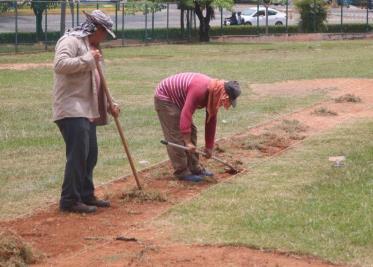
x=174, y=34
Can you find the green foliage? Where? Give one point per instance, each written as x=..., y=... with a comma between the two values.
x=131, y=7
x=175, y=34
x=313, y=14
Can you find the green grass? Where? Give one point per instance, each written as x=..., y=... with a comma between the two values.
x=297, y=202
x=32, y=150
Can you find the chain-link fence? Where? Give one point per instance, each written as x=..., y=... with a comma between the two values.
x=34, y=24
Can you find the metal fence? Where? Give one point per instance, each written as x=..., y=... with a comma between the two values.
x=146, y=22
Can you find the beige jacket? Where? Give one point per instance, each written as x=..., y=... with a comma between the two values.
x=75, y=89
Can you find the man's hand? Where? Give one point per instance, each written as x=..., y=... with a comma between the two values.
x=191, y=148
x=96, y=54
x=115, y=110
x=208, y=152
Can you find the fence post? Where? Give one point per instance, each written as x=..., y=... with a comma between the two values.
x=122, y=24
x=168, y=21
x=77, y=13
x=257, y=17
x=368, y=15
x=342, y=15
x=116, y=16
x=46, y=29
x=16, y=25
x=287, y=16
x=146, y=22
x=221, y=21
x=153, y=21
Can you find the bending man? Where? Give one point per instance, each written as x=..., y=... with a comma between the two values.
x=176, y=99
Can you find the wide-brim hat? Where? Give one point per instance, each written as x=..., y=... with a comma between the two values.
x=232, y=88
x=100, y=18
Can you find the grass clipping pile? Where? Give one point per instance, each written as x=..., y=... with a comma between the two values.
x=14, y=251
x=141, y=196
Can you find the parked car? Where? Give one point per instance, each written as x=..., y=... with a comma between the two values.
x=250, y=16
x=234, y=19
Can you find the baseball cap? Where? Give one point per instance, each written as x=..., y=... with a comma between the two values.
x=232, y=88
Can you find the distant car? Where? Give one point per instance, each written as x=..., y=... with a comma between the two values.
x=250, y=16
x=234, y=19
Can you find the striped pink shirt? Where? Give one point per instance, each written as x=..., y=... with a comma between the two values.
x=175, y=88
x=188, y=91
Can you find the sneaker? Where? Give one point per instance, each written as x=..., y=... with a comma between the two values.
x=191, y=178
x=205, y=172
x=80, y=207
x=97, y=202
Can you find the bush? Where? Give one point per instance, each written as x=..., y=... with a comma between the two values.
x=313, y=14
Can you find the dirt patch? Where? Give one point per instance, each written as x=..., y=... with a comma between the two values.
x=90, y=240
x=24, y=66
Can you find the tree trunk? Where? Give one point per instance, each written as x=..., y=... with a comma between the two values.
x=39, y=21
x=204, y=22
x=204, y=31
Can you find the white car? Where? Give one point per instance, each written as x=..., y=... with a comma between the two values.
x=250, y=16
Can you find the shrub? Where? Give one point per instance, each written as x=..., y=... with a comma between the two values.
x=313, y=14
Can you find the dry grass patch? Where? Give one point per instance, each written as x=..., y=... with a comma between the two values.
x=348, y=98
x=141, y=196
x=14, y=251
x=279, y=136
x=323, y=111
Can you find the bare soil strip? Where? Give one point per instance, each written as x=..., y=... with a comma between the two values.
x=25, y=66
x=123, y=234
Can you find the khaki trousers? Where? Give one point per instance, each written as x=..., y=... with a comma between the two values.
x=183, y=162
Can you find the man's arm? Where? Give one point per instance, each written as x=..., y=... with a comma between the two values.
x=66, y=61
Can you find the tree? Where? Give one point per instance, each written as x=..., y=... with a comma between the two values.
x=39, y=6
x=313, y=14
x=204, y=10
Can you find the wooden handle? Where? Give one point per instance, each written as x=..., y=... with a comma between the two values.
x=117, y=123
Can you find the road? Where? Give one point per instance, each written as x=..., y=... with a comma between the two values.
x=140, y=21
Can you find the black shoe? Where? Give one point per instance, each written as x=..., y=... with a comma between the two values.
x=97, y=202
x=80, y=207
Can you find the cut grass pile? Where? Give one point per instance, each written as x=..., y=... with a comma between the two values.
x=14, y=251
x=323, y=111
x=348, y=98
x=141, y=196
x=297, y=202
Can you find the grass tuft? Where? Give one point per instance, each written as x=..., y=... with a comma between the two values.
x=348, y=98
x=323, y=111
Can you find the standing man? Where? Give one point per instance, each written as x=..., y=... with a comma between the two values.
x=176, y=99
x=79, y=106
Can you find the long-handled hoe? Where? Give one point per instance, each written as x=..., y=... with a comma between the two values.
x=119, y=127
x=231, y=169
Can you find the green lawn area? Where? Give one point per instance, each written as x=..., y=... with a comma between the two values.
x=32, y=151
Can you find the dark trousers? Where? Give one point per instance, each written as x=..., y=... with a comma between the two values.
x=80, y=138
x=183, y=162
